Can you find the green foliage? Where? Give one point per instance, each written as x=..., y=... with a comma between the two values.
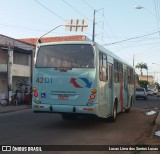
x=143, y=83
x=141, y=66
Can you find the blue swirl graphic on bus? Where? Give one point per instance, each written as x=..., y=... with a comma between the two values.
x=88, y=84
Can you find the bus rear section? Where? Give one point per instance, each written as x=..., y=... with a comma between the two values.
x=65, y=79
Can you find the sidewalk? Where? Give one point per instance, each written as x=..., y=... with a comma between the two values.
x=12, y=108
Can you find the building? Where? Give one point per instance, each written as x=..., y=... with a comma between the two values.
x=16, y=64
x=148, y=78
x=33, y=41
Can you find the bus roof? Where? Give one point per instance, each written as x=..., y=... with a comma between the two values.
x=66, y=42
x=33, y=41
x=113, y=54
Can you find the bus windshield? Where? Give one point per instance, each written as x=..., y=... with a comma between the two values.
x=65, y=56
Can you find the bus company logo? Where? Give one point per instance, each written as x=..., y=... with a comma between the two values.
x=76, y=85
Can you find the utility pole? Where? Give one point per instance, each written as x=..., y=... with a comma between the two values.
x=9, y=67
x=93, y=35
x=94, y=23
x=133, y=59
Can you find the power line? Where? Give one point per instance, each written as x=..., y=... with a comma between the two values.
x=25, y=28
x=157, y=17
x=131, y=38
x=76, y=10
x=49, y=10
x=88, y=5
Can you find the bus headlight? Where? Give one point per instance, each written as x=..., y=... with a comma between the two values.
x=93, y=91
x=34, y=89
x=37, y=100
x=90, y=102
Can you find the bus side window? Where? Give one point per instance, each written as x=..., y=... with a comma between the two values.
x=105, y=72
x=115, y=70
x=103, y=67
x=100, y=66
x=130, y=75
x=110, y=75
x=120, y=72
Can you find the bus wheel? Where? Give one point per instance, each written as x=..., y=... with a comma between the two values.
x=114, y=114
x=67, y=116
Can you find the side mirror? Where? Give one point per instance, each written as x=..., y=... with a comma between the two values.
x=39, y=41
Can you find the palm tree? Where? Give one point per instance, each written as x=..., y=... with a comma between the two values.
x=141, y=66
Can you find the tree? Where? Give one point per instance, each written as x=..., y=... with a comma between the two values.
x=143, y=83
x=141, y=66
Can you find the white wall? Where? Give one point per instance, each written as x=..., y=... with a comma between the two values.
x=3, y=86
x=21, y=70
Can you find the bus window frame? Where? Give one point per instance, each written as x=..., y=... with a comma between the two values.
x=103, y=75
x=56, y=68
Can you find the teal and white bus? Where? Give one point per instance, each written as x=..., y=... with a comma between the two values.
x=76, y=78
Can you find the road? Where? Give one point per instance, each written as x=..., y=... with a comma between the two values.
x=28, y=128
x=152, y=102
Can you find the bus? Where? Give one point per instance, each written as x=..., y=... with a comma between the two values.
x=76, y=78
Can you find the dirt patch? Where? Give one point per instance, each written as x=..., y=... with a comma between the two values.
x=149, y=137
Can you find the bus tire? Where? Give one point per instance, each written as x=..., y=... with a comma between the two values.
x=113, y=117
x=67, y=116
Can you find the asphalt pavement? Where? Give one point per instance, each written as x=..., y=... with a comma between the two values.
x=13, y=108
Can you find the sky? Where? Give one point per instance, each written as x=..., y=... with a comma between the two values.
x=133, y=34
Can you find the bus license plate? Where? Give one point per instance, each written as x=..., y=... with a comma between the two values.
x=62, y=97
